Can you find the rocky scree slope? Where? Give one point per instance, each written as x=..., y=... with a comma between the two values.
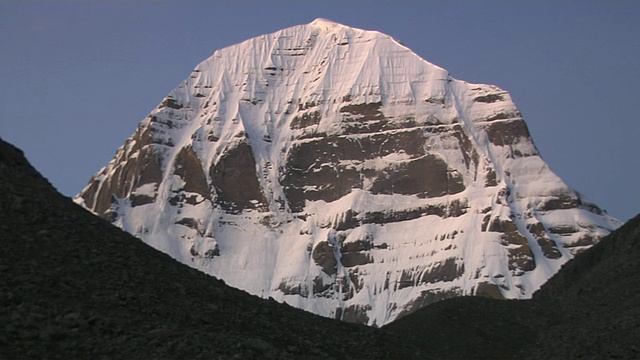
x=73, y=286
x=589, y=310
x=334, y=169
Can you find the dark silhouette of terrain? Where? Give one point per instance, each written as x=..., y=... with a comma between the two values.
x=72, y=286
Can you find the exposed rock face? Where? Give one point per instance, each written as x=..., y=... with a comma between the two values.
x=334, y=169
x=236, y=181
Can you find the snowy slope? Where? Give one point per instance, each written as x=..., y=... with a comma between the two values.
x=336, y=170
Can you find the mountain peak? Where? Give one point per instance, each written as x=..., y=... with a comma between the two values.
x=346, y=175
x=325, y=23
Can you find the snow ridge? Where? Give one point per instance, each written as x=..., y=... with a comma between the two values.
x=334, y=169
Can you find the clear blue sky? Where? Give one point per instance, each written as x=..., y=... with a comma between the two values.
x=76, y=77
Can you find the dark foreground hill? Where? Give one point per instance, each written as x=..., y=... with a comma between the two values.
x=72, y=286
x=589, y=310
x=598, y=296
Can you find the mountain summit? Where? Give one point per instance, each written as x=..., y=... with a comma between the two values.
x=334, y=169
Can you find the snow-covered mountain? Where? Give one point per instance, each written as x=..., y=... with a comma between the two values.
x=334, y=169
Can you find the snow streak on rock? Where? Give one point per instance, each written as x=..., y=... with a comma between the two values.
x=336, y=170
